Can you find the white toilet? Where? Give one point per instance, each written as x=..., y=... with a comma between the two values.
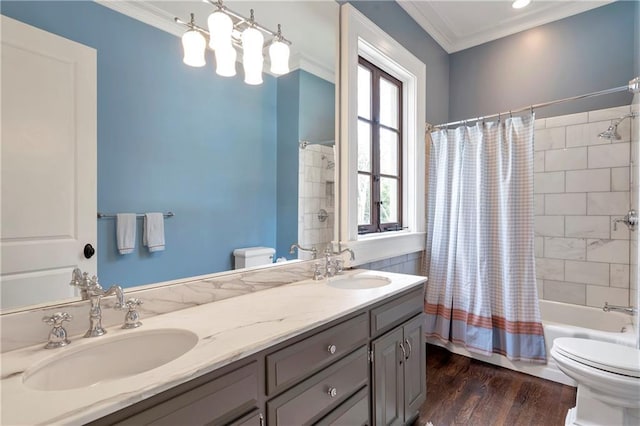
x=253, y=256
x=608, y=377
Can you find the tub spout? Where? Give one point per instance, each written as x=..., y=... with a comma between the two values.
x=625, y=309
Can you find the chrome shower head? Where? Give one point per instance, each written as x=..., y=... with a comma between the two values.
x=611, y=132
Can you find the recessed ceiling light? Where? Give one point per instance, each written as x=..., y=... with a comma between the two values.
x=519, y=4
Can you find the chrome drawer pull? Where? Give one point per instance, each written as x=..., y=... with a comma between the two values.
x=404, y=353
x=410, y=348
x=333, y=392
x=331, y=349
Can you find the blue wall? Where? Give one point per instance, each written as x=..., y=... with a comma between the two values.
x=317, y=109
x=171, y=137
x=287, y=187
x=584, y=53
x=393, y=20
x=306, y=111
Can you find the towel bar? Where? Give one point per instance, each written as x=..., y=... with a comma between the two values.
x=138, y=215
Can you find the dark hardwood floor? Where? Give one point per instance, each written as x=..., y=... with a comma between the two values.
x=464, y=391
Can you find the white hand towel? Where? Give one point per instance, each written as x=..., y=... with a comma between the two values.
x=126, y=232
x=153, y=236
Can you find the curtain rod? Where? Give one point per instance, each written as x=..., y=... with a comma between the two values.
x=633, y=87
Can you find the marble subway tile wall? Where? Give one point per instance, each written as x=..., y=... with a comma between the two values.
x=582, y=183
x=316, y=183
x=405, y=264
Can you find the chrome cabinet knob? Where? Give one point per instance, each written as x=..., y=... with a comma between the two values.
x=333, y=392
x=332, y=349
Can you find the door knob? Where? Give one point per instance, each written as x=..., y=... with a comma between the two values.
x=89, y=251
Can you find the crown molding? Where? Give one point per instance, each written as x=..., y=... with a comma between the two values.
x=304, y=62
x=146, y=13
x=436, y=26
x=430, y=25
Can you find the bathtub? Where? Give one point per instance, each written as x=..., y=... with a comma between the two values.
x=561, y=320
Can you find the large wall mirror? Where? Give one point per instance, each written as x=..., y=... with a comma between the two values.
x=239, y=165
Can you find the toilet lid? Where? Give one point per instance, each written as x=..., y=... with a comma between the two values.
x=605, y=356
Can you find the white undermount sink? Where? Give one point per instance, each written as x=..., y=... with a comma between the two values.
x=360, y=281
x=109, y=358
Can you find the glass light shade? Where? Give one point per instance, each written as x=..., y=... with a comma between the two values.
x=279, y=56
x=220, y=27
x=194, y=45
x=226, y=61
x=252, y=69
x=519, y=4
x=252, y=41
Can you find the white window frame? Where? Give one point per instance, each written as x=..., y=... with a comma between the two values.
x=361, y=37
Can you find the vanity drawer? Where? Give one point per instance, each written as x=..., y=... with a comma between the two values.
x=217, y=402
x=299, y=360
x=353, y=412
x=307, y=401
x=386, y=316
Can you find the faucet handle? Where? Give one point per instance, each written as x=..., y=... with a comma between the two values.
x=317, y=272
x=57, y=335
x=57, y=319
x=132, y=317
x=133, y=303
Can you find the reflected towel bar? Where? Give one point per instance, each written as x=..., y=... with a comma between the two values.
x=138, y=215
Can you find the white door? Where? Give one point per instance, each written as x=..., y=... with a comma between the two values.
x=48, y=161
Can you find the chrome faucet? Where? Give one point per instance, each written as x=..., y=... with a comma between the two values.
x=626, y=309
x=93, y=291
x=332, y=266
x=313, y=250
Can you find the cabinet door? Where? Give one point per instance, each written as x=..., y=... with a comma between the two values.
x=387, y=387
x=415, y=377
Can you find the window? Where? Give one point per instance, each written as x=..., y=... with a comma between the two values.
x=361, y=38
x=379, y=150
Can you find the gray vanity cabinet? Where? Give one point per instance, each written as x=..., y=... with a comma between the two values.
x=398, y=373
x=352, y=371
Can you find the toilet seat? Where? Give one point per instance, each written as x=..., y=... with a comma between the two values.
x=609, y=357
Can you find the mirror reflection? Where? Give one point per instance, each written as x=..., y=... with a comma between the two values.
x=223, y=156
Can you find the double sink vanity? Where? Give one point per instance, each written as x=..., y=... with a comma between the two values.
x=342, y=350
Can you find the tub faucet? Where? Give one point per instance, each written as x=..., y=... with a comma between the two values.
x=626, y=309
x=92, y=290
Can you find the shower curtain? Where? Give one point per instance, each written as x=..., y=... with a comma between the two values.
x=482, y=290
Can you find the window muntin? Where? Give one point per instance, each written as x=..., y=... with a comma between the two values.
x=379, y=150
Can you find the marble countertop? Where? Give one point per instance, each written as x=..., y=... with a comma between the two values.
x=227, y=330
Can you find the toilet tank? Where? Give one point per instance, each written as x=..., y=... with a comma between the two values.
x=253, y=256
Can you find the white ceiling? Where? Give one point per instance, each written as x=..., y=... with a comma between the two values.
x=458, y=25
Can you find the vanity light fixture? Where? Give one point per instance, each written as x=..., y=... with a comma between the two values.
x=519, y=4
x=228, y=30
x=193, y=44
